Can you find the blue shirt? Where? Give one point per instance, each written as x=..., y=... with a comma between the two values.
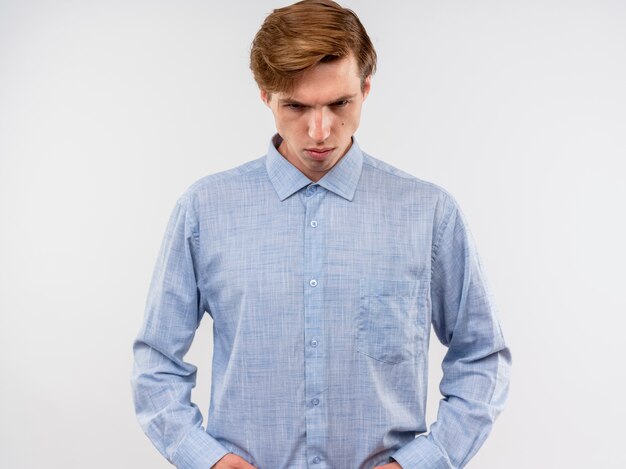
x=322, y=297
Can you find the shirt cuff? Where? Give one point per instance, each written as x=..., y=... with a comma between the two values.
x=421, y=453
x=198, y=450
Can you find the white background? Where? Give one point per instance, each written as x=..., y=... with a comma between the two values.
x=109, y=110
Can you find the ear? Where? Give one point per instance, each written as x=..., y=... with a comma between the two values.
x=367, y=86
x=265, y=97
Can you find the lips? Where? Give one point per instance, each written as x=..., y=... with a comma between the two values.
x=318, y=153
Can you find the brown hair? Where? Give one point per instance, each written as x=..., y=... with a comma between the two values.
x=297, y=37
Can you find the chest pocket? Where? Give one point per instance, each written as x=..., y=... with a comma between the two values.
x=387, y=322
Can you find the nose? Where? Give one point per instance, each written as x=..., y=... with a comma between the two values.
x=319, y=126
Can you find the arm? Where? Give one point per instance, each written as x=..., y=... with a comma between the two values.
x=476, y=366
x=161, y=381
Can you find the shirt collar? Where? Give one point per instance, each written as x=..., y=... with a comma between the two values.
x=342, y=179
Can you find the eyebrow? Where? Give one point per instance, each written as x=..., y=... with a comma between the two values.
x=295, y=101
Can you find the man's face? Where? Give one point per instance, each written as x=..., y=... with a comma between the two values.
x=318, y=118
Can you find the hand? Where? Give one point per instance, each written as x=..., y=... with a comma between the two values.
x=391, y=465
x=232, y=461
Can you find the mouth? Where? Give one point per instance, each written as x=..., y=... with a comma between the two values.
x=318, y=153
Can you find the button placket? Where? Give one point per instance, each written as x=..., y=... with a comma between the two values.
x=315, y=349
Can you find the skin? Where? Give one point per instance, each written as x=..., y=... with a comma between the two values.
x=322, y=112
x=232, y=461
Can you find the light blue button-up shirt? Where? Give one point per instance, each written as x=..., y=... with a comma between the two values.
x=322, y=297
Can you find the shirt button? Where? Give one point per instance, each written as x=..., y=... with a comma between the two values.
x=316, y=460
x=313, y=283
x=314, y=343
x=314, y=223
x=315, y=401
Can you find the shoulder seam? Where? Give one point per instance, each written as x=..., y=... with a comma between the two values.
x=408, y=176
x=232, y=173
x=405, y=176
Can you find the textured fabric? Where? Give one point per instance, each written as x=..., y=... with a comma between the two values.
x=322, y=296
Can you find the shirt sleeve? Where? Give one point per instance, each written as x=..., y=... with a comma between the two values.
x=161, y=381
x=476, y=366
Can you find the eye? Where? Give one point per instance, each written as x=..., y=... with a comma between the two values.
x=342, y=103
x=294, y=106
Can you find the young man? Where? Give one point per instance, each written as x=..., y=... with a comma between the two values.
x=323, y=269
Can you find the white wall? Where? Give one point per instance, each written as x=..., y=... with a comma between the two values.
x=110, y=109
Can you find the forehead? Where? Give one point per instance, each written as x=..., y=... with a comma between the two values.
x=326, y=81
